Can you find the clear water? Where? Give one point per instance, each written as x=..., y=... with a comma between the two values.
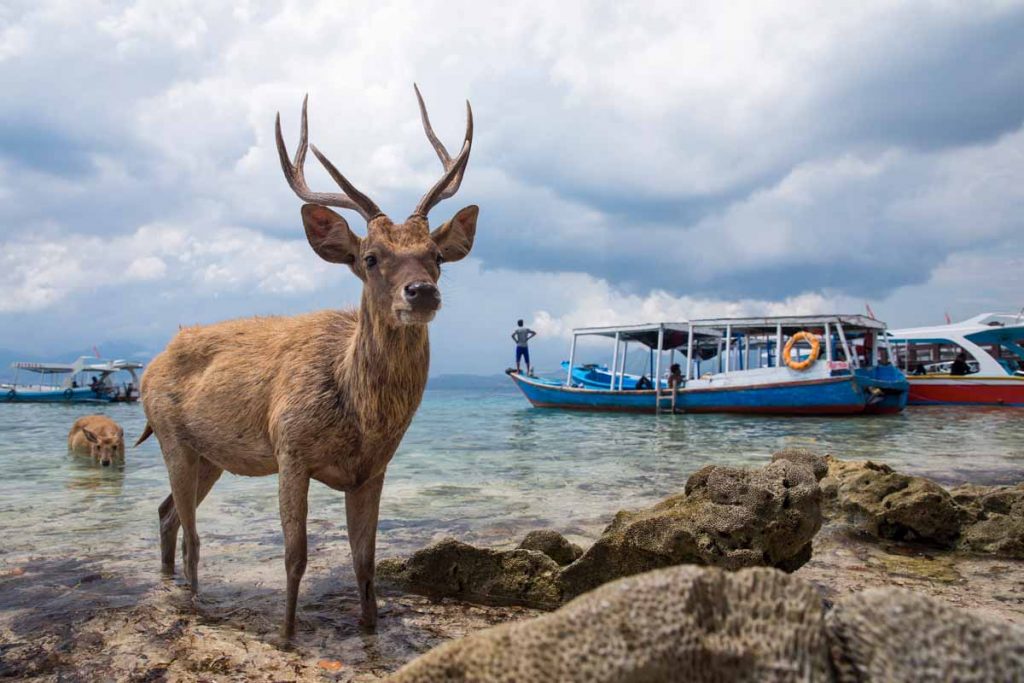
x=482, y=466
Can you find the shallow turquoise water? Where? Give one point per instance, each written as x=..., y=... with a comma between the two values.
x=483, y=466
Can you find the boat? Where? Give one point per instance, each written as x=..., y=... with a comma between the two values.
x=993, y=344
x=87, y=380
x=736, y=365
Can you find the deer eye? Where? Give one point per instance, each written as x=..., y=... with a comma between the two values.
x=370, y=260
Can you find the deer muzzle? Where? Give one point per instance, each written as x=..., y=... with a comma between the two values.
x=422, y=297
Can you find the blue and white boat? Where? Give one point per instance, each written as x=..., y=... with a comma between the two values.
x=87, y=380
x=737, y=365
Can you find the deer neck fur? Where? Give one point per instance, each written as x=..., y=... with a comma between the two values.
x=384, y=370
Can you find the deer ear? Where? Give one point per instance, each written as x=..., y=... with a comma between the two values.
x=90, y=436
x=455, y=238
x=329, y=235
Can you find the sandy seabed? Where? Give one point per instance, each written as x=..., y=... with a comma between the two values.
x=71, y=620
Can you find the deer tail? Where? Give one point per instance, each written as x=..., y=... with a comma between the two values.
x=146, y=433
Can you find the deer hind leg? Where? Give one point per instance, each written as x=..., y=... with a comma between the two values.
x=183, y=472
x=361, y=509
x=169, y=522
x=293, y=489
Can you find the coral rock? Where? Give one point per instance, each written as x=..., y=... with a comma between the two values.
x=727, y=517
x=890, y=505
x=889, y=634
x=676, y=624
x=818, y=464
x=454, y=569
x=995, y=519
x=552, y=544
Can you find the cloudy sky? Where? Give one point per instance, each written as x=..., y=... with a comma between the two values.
x=632, y=162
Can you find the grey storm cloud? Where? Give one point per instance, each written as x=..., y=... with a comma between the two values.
x=763, y=153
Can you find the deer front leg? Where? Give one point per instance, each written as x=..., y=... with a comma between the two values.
x=361, y=508
x=292, y=491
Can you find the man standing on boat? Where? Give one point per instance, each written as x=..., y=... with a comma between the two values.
x=522, y=337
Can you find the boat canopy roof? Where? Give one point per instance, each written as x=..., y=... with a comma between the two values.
x=676, y=334
x=84, y=364
x=793, y=322
x=987, y=328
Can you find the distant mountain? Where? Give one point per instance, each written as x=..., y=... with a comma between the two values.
x=463, y=381
x=126, y=350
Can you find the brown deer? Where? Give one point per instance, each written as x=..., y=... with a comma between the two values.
x=326, y=395
x=98, y=437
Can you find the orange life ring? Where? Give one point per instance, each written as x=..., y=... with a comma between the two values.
x=806, y=362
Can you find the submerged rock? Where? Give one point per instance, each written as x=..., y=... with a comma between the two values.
x=891, y=505
x=680, y=623
x=727, y=517
x=890, y=634
x=994, y=519
x=552, y=544
x=454, y=569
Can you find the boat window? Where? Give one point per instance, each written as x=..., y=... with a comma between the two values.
x=1008, y=354
x=933, y=358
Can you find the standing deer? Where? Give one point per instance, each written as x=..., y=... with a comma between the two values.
x=326, y=395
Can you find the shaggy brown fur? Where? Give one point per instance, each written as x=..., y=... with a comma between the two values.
x=325, y=396
x=98, y=437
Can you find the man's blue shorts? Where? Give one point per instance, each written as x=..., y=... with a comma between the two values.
x=524, y=353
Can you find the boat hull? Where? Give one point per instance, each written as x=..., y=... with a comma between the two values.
x=843, y=395
x=967, y=390
x=77, y=395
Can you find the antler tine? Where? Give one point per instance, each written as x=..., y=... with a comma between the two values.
x=454, y=168
x=294, y=174
x=456, y=182
x=365, y=204
x=439, y=147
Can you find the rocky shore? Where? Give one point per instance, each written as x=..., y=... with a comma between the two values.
x=825, y=530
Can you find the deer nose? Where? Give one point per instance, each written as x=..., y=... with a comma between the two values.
x=422, y=295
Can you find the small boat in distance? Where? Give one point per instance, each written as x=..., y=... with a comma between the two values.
x=87, y=380
x=994, y=353
x=737, y=365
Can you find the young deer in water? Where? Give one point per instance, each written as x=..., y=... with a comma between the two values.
x=325, y=396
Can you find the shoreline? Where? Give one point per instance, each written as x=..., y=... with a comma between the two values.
x=78, y=618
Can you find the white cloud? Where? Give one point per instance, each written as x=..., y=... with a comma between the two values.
x=603, y=305
x=146, y=268
x=631, y=159
x=212, y=260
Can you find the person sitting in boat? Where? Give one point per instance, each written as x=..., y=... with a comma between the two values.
x=960, y=366
x=675, y=380
x=522, y=336
x=919, y=369
x=95, y=383
x=643, y=383
x=675, y=376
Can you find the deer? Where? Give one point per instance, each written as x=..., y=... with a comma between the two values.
x=99, y=437
x=325, y=396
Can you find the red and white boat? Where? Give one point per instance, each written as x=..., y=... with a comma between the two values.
x=992, y=343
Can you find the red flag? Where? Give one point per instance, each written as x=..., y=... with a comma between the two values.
x=949, y=321
x=95, y=352
x=871, y=314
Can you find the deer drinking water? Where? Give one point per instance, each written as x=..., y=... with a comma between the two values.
x=326, y=395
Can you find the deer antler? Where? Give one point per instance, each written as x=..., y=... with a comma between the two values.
x=455, y=168
x=296, y=177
